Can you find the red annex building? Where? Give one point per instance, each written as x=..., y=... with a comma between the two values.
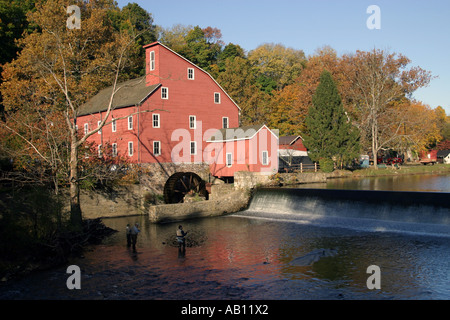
x=166, y=116
x=251, y=148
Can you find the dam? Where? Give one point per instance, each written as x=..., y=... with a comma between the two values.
x=368, y=210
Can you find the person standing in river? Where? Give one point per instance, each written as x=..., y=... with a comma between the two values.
x=181, y=238
x=133, y=234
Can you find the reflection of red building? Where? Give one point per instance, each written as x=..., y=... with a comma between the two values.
x=175, y=99
x=252, y=148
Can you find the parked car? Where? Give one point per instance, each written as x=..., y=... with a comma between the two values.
x=394, y=160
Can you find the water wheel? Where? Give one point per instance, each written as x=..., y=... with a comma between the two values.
x=182, y=183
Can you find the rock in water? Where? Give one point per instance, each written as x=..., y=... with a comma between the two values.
x=312, y=257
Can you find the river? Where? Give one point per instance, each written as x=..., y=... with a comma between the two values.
x=271, y=251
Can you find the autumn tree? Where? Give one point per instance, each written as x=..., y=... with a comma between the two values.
x=238, y=80
x=443, y=122
x=291, y=104
x=378, y=79
x=414, y=126
x=13, y=23
x=330, y=134
x=54, y=75
x=276, y=65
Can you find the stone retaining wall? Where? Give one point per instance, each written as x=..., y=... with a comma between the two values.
x=118, y=202
x=233, y=202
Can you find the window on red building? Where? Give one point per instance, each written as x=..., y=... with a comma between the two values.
x=265, y=158
x=190, y=73
x=156, y=120
x=164, y=93
x=192, y=122
x=229, y=159
x=152, y=60
x=216, y=97
x=225, y=122
x=130, y=123
x=193, y=148
x=114, y=149
x=130, y=148
x=156, y=148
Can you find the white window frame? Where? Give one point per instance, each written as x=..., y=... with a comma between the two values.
x=193, y=144
x=114, y=150
x=157, y=148
x=229, y=163
x=265, y=158
x=192, y=122
x=86, y=128
x=165, y=93
x=114, y=125
x=130, y=148
x=152, y=60
x=130, y=122
x=217, y=97
x=158, y=120
x=191, y=74
x=227, y=124
x=98, y=126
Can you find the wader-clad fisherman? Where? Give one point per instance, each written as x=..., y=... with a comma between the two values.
x=180, y=237
x=134, y=233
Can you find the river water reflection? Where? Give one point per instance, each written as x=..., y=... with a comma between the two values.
x=427, y=183
x=246, y=258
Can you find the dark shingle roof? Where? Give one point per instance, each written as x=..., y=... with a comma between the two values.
x=240, y=133
x=130, y=93
x=442, y=153
x=288, y=140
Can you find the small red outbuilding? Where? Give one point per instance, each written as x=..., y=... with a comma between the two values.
x=251, y=148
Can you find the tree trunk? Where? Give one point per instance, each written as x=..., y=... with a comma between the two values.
x=374, y=144
x=75, y=208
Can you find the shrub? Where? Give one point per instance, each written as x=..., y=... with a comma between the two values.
x=326, y=165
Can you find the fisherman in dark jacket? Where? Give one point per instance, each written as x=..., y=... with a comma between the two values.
x=134, y=233
x=180, y=238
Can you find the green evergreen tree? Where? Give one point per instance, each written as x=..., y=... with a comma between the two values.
x=330, y=134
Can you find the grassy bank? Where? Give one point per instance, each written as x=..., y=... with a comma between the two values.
x=402, y=170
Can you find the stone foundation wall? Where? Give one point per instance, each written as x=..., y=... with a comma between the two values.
x=248, y=180
x=232, y=202
x=118, y=202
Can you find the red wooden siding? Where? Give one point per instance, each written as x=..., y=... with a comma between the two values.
x=185, y=98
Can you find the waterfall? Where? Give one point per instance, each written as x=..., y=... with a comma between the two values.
x=417, y=212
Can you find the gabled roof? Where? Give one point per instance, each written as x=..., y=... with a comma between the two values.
x=289, y=140
x=164, y=46
x=129, y=93
x=235, y=134
x=443, y=153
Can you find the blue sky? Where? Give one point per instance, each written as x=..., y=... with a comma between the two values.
x=418, y=29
